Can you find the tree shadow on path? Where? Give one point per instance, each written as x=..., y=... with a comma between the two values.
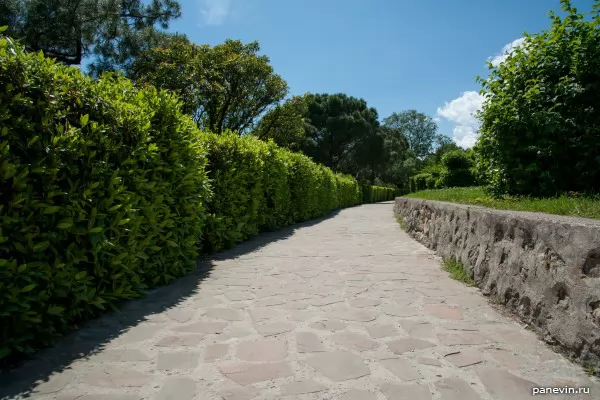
x=94, y=335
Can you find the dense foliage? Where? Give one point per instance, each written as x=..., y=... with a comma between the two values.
x=104, y=191
x=540, y=132
x=225, y=87
x=114, y=31
x=342, y=133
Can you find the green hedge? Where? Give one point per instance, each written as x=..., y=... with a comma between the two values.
x=374, y=194
x=103, y=192
x=107, y=190
x=258, y=187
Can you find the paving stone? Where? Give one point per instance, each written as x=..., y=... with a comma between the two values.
x=502, y=385
x=140, y=333
x=429, y=361
x=382, y=331
x=353, y=291
x=296, y=305
x=518, y=339
x=329, y=325
x=177, y=388
x=308, y=342
x=207, y=302
x=265, y=313
x=180, y=340
x=235, y=282
x=357, y=314
x=416, y=329
x=54, y=384
x=246, y=373
x=456, y=389
x=354, y=341
x=302, y=387
x=325, y=301
x=301, y=315
x=215, y=351
x=117, y=378
x=238, y=393
x=271, y=301
x=507, y=359
x=235, y=332
x=362, y=302
x=181, y=315
x=403, y=369
x=228, y=314
x=274, y=328
x=359, y=395
x=240, y=296
x=393, y=391
x=465, y=358
x=178, y=360
x=122, y=355
x=262, y=293
x=298, y=296
x=202, y=327
x=405, y=345
x=339, y=365
x=463, y=338
x=443, y=311
x=460, y=326
x=262, y=350
x=400, y=310
x=111, y=396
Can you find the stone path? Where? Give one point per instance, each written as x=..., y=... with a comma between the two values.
x=349, y=308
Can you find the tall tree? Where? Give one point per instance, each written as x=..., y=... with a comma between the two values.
x=284, y=123
x=342, y=133
x=225, y=87
x=419, y=129
x=113, y=31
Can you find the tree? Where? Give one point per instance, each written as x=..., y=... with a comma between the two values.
x=342, y=133
x=540, y=131
x=225, y=87
x=113, y=31
x=419, y=129
x=284, y=123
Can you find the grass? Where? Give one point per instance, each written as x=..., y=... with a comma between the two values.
x=458, y=272
x=574, y=205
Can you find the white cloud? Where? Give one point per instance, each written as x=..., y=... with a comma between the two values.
x=215, y=12
x=461, y=111
x=506, y=51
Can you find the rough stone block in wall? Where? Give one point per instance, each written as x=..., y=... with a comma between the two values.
x=545, y=268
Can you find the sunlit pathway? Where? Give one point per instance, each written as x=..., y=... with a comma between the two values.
x=348, y=308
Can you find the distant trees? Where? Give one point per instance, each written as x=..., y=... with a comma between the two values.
x=540, y=132
x=225, y=87
x=112, y=31
x=285, y=123
x=342, y=132
x=419, y=130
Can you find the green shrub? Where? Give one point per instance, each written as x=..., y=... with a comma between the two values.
x=103, y=195
x=105, y=192
x=374, y=194
x=540, y=120
x=420, y=181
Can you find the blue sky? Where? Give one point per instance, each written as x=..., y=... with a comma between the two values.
x=396, y=54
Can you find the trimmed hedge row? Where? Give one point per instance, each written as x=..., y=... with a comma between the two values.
x=106, y=190
x=258, y=186
x=374, y=194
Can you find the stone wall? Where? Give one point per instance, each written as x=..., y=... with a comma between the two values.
x=544, y=268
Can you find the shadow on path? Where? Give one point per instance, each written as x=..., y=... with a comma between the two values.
x=95, y=334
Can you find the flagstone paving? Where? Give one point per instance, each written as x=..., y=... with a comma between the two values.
x=350, y=308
